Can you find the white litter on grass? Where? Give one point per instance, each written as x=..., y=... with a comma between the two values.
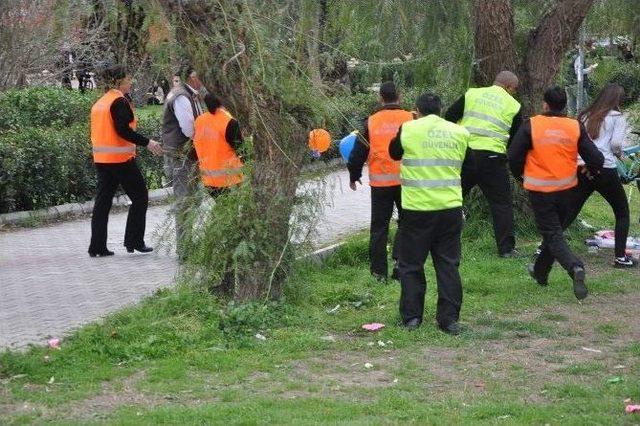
x=51, y=380
x=597, y=351
x=395, y=380
x=334, y=309
x=381, y=343
x=260, y=337
x=619, y=367
x=368, y=365
x=328, y=338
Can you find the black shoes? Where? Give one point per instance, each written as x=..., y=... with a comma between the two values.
x=543, y=281
x=101, y=253
x=413, y=323
x=142, y=249
x=579, y=288
x=453, y=328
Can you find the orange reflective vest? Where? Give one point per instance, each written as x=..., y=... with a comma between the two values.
x=383, y=126
x=551, y=163
x=219, y=165
x=108, y=146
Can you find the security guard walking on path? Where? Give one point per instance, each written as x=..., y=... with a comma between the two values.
x=492, y=116
x=432, y=152
x=216, y=140
x=544, y=153
x=114, y=140
x=384, y=174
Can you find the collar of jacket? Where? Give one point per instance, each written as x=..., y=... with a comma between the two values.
x=555, y=113
x=387, y=106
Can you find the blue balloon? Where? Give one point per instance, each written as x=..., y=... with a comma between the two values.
x=346, y=145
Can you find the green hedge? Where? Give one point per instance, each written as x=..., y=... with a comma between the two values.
x=44, y=107
x=45, y=150
x=612, y=70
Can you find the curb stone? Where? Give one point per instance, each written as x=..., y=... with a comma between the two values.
x=156, y=195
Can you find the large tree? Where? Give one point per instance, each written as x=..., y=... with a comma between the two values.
x=541, y=58
x=242, y=55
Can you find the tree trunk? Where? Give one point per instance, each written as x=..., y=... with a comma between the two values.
x=233, y=67
x=494, y=36
x=548, y=42
x=495, y=49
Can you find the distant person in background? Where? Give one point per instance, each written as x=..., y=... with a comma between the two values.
x=176, y=80
x=181, y=108
x=607, y=127
x=572, y=79
x=155, y=94
x=114, y=140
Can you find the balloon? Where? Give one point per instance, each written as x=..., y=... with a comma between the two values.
x=319, y=140
x=347, y=143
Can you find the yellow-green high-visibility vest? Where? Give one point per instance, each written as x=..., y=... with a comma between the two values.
x=488, y=114
x=434, y=150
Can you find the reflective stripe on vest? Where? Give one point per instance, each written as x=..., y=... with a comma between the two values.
x=489, y=133
x=430, y=183
x=551, y=182
x=107, y=146
x=375, y=178
x=114, y=149
x=550, y=165
x=225, y=172
x=488, y=116
x=219, y=165
x=383, y=127
x=434, y=150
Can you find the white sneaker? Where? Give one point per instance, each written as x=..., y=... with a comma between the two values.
x=623, y=262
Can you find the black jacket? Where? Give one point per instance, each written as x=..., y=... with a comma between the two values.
x=122, y=116
x=522, y=144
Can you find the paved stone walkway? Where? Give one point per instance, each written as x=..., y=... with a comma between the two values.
x=49, y=285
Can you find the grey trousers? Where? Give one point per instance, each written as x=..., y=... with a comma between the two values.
x=180, y=171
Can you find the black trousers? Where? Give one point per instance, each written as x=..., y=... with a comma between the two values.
x=110, y=177
x=488, y=170
x=551, y=211
x=382, y=201
x=436, y=233
x=608, y=184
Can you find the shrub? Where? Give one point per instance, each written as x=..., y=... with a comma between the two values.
x=612, y=70
x=44, y=107
x=42, y=167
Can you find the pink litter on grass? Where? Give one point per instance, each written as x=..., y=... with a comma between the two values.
x=375, y=326
x=632, y=409
x=54, y=343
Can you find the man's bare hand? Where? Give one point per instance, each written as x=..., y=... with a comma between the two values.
x=155, y=147
x=353, y=186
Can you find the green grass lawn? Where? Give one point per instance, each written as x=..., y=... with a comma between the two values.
x=527, y=354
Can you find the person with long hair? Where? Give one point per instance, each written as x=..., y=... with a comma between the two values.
x=607, y=127
x=114, y=140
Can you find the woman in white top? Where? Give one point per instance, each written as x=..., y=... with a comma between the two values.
x=607, y=127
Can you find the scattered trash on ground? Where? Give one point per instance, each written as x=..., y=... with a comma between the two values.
x=597, y=351
x=368, y=365
x=260, y=337
x=619, y=367
x=333, y=310
x=381, y=343
x=52, y=380
x=375, y=326
x=632, y=409
x=607, y=239
x=328, y=338
x=395, y=380
x=616, y=379
x=54, y=343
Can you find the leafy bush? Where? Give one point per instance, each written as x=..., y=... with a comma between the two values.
x=44, y=107
x=42, y=167
x=612, y=70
